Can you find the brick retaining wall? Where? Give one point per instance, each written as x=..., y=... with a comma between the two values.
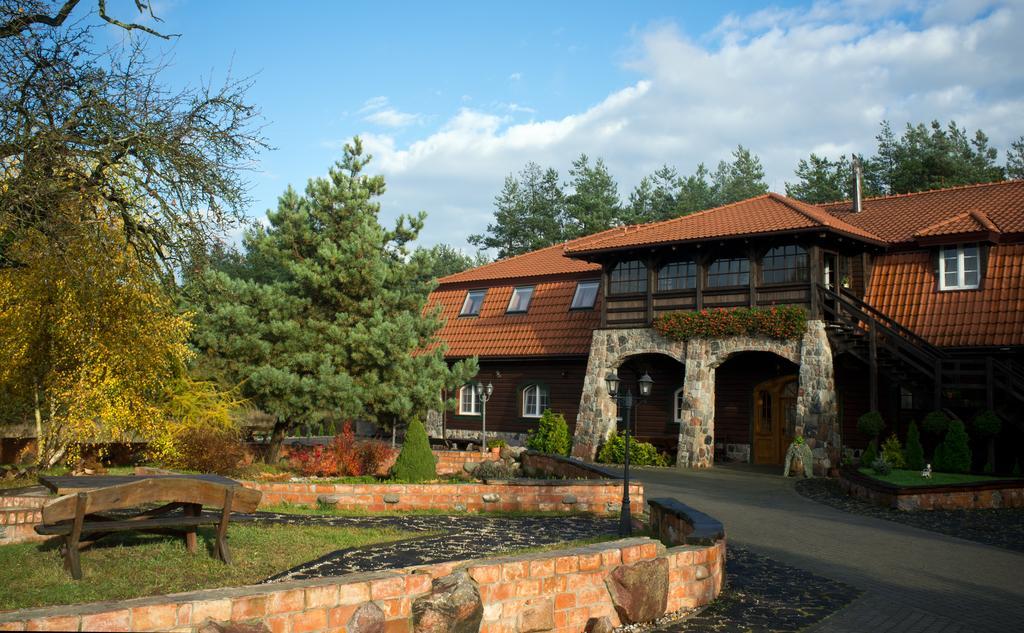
x=565, y=467
x=517, y=495
x=17, y=523
x=558, y=590
x=966, y=496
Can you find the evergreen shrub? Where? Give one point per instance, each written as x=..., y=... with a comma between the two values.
x=956, y=450
x=987, y=424
x=936, y=423
x=881, y=466
x=416, y=462
x=914, y=452
x=869, y=455
x=640, y=453
x=551, y=435
x=871, y=424
x=216, y=450
x=892, y=452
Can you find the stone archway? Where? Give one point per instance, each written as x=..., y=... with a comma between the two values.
x=816, y=399
x=608, y=350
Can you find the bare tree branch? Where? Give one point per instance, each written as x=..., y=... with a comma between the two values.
x=24, y=19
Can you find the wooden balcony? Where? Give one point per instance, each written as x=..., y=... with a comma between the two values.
x=640, y=309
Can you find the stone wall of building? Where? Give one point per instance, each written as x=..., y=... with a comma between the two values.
x=816, y=401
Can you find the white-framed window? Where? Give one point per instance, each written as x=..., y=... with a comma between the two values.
x=535, y=400
x=469, y=403
x=474, y=300
x=959, y=267
x=520, y=301
x=585, y=295
x=677, y=405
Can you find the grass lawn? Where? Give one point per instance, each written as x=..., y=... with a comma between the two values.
x=132, y=565
x=330, y=511
x=914, y=478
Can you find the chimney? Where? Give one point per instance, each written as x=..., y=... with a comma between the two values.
x=858, y=183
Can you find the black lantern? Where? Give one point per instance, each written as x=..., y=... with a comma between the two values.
x=612, y=379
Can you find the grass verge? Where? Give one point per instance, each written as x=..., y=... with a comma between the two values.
x=913, y=478
x=329, y=511
x=133, y=565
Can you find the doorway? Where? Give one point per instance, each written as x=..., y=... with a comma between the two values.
x=774, y=418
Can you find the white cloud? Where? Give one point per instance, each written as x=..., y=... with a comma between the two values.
x=390, y=117
x=374, y=103
x=781, y=82
x=515, y=76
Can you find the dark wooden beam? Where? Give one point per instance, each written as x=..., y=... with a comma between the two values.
x=701, y=271
x=604, y=294
x=872, y=366
x=652, y=279
x=814, y=257
x=755, y=268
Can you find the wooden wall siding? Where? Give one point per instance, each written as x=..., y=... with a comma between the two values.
x=563, y=378
x=735, y=380
x=653, y=420
x=783, y=295
x=725, y=299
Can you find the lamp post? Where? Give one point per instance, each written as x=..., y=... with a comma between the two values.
x=626, y=402
x=484, y=394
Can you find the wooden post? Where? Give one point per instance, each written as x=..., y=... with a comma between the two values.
x=755, y=269
x=814, y=255
x=191, y=510
x=990, y=398
x=652, y=279
x=72, y=560
x=937, y=388
x=701, y=270
x=604, y=295
x=873, y=366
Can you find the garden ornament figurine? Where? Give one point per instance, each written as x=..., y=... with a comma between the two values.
x=927, y=472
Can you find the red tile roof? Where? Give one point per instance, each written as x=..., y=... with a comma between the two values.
x=903, y=285
x=967, y=222
x=548, y=328
x=541, y=262
x=902, y=218
x=770, y=213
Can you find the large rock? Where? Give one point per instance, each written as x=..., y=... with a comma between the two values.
x=639, y=591
x=602, y=624
x=452, y=606
x=538, y=614
x=212, y=626
x=368, y=618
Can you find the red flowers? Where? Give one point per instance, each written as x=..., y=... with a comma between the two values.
x=785, y=322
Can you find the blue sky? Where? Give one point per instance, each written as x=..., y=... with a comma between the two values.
x=451, y=97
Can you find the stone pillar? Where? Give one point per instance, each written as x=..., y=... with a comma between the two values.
x=696, y=431
x=817, y=414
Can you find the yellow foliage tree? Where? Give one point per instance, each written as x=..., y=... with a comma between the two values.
x=89, y=338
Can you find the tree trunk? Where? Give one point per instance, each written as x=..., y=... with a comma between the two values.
x=276, y=438
x=39, y=428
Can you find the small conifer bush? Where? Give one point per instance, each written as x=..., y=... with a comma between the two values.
x=869, y=455
x=914, y=451
x=892, y=452
x=871, y=424
x=956, y=450
x=987, y=425
x=551, y=436
x=936, y=423
x=640, y=453
x=416, y=462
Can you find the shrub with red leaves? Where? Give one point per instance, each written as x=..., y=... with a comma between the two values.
x=343, y=457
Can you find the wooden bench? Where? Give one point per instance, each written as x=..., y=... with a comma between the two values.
x=79, y=515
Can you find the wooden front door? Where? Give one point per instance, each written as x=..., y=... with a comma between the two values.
x=774, y=419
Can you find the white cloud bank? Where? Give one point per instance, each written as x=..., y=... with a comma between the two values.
x=783, y=83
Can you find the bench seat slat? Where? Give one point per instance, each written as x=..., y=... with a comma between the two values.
x=124, y=526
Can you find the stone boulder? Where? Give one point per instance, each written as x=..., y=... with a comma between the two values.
x=212, y=626
x=452, y=606
x=602, y=624
x=639, y=591
x=368, y=618
x=538, y=614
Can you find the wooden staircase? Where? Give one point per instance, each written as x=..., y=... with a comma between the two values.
x=890, y=349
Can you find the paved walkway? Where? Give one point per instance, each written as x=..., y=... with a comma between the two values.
x=910, y=579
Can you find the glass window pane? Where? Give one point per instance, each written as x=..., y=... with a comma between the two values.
x=474, y=300
x=971, y=278
x=628, y=277
x=724, y=273
x=543, y=401
x=520, y=300
x=785, y=264
x=586, y=295
x=677, y=276
x=951, y=280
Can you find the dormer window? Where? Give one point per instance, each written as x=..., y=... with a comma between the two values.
x=585, y=296
x=474, y=300
x=959, y=267
x=520, y=301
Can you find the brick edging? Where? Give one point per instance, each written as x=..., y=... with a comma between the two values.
x=1003, y=493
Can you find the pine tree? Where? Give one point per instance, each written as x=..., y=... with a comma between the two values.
x=528, y=213
x=594, y=203
x=741, y=179
x=1015, y=160
x=822, y=180
x=655, y=197
x=956, y=450
x=330, y=318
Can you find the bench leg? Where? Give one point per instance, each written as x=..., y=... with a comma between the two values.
x=191, y=510
x=222, y=528
x=72, y=560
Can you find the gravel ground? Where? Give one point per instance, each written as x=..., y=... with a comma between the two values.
x=999, y=528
